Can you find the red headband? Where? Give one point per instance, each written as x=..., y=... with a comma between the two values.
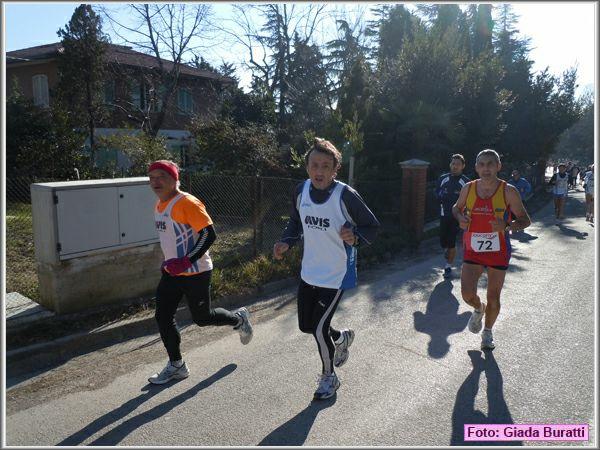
x=170, y=168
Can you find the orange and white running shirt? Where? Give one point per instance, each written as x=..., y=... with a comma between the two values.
x=178, y=222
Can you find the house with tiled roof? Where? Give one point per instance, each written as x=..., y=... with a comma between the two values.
x=128, y=91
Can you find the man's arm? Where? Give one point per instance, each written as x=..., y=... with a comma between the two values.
x=459, y=206
x=365, y=224
x=552, y=180
x=438, y=188
x=206, y=237
x=292, y=233
x=527, y=187
x=521, y=219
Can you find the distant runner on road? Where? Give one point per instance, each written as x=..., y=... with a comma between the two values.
x=588, y=183
x=560, y=189
x=521, y=184
x=447, y=191
x=487, y=209
x=186, y=232
x=333, y=221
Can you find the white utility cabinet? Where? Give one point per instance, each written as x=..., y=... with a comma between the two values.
x=78, y=218
x=95, y=242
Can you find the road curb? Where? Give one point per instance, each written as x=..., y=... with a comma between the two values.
x=58, y=351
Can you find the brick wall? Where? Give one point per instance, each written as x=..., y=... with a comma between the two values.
x=414, y=187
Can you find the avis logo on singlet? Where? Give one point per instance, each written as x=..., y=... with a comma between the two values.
x=160, y=225
x=317, y=223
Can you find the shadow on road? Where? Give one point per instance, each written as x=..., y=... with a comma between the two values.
x=295, y=430
x=522, y=236
x=440, y=319
x=571, y=232
x=464, y=407
x=118, y=433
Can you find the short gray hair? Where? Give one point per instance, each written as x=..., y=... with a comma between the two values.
x=486, y=152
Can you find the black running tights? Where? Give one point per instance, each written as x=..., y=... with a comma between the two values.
x=316, y=306
x=196, y=289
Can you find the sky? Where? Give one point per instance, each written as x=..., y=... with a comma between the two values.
x=562, y=34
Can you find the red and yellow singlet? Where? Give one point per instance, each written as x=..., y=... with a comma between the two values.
x=481, y=244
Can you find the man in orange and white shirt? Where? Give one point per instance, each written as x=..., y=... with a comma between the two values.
x=487, y=209
x=186, y=232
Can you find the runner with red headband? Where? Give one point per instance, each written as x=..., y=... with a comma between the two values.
x=186, y=232
x=487, y=208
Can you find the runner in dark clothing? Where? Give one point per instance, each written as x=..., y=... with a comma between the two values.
x=447, y=191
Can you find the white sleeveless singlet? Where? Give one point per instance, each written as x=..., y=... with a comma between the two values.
x=327, y=260
x=178, y=239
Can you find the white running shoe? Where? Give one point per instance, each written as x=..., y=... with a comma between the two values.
x=170, y=372
x=245, y=327
x=328, y=385
x=475, y=320
x=341, y=350
x=487, y=340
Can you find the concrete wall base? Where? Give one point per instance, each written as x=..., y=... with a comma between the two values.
x=77, y=284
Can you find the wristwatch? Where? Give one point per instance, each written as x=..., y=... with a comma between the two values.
x=507, y=227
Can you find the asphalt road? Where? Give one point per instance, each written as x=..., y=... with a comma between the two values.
x=414, y=377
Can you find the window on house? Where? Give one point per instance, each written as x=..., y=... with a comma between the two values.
x=155, y=96
x=137, y=94
x=41, y=96
x=185, y=102
x=109, y=92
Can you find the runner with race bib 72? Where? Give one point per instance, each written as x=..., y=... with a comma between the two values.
x=487, y=209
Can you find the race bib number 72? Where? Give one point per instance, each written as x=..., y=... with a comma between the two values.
x=485, y=242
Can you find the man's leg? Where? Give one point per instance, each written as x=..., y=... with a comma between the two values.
x=326, y=304
x=327, y=301
x=451, y=254
x=495, y=283
x=494, y=288
x=468, y=284
x=197, y=292
x=168, y=296
x=307, y=298
x=561, y=207
x=469, y=278
x=556, y=206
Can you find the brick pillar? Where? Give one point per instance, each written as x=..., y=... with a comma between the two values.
x=414, y=185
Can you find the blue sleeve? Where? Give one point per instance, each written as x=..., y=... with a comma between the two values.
x=527, y=187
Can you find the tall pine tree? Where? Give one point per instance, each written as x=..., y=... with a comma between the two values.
x=82, y=68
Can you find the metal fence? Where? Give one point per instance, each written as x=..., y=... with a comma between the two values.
x=249, y=214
